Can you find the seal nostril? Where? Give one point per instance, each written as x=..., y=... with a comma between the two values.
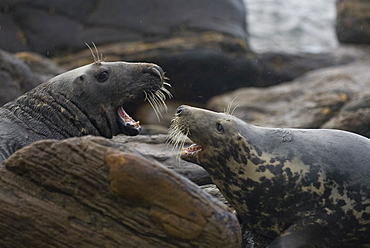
x=156, y=70
x=179, y=110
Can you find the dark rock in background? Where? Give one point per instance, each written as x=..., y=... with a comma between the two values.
x=22, y=72
x=353, y=117
x=49, y=26
x=16, y=77
x=204, y=52
x=309, y=101
x=353, y=21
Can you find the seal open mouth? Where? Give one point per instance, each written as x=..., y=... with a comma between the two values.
x=191, y=150
x=131, y=126
x=155, y=98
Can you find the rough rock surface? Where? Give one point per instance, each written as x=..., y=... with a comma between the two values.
x=22, y=72
x=353, y=21
x=93, y=192
x=354, y=116
x=47, y=26
x=307, y=102
x=155, y=147
x=16, y=77
x=201, y=50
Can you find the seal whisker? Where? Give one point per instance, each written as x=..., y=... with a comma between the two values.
x=177, y=137
x=165, y=83
x=99, y=57
x=162, y=98
x=232, y=111
x=153, y=103
x=147, y=98
x=157, y=103
x=167, y=92
x=228, y=109
x=92, y=52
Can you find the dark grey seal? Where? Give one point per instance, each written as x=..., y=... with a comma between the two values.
x=88, y=100
x=292, y=187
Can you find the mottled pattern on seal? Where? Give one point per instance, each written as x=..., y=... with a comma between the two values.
x=292, y=187
x=85, y=101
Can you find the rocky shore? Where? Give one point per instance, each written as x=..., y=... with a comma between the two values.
x=64, y=202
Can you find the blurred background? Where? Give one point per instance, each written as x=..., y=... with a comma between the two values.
x=292, y=25
x=285, y=62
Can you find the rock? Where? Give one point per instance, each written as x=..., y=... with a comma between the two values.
x=353, y=21
x=22, y=72
x=90, y=191
x=204, y=53
x=307, y=102
x=16, y=77
x=200, y=67
x=49, y=26
x=155, y=147
x=43, y=67
x=354, y=117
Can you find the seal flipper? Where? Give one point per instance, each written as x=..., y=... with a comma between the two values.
x=302, y=235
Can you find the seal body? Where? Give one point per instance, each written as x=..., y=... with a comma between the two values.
x=291, y=187
x=83, y=101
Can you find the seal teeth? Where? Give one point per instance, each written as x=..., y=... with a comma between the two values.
x=127, y=120
x=191, y=149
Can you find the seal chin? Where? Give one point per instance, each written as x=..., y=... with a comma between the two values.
x=127, y=124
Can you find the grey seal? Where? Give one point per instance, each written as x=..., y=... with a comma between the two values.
x=88, y=100
x=291, y=187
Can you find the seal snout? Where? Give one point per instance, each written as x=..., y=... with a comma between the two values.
x=157, y=71
x=179, y=110
x=183, y=111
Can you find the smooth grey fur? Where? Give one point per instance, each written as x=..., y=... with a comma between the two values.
x=292, y=187
x=76, y=103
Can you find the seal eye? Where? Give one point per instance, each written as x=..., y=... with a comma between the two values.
x=219, y=128
x=103, y=76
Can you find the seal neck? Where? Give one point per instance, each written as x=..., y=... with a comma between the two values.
x=51, y=115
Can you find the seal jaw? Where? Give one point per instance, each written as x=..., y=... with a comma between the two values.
x=191, y=150
x=127, y=124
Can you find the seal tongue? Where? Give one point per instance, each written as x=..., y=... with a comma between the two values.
x=132, y=126
x=191, y=149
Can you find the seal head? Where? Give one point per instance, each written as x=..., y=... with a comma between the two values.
x=101, y=89
x=88, y=100
x=291, y=187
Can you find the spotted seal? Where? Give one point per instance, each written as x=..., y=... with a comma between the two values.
x=88, y=100
x=291, y=187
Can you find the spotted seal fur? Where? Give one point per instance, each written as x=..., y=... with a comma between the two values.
x=88, y=100
x=291, y=187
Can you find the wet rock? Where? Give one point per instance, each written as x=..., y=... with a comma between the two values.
x=199, y=67
x=307, y=102
x=353, y=21
x=41, y=66
x=156, y=147
x=204, y=53
x=23, y=71
x=49, y=26
x=16, y=77
x=354, y=117
x=90, y=191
